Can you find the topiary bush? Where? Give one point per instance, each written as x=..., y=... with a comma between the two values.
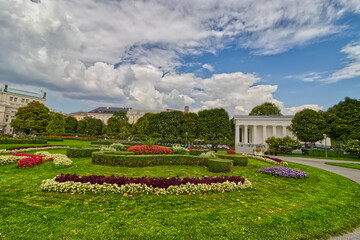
x=197, y=152
x=22, y=141
x=220, y=165
x=238, y=160
x=81, y=152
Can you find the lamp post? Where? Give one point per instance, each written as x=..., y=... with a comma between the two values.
x=186, y=133
x=123, y=135
x=325, y=146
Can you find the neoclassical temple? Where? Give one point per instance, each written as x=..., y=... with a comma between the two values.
x=252, y=131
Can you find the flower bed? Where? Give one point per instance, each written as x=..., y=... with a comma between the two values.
x=230, y=151
x=59, y=160
x=31, y=148
x=30, y=161
x=13, y=158
x=268, y=159
x=124, y=185
x=145, y=149
x=283, y=172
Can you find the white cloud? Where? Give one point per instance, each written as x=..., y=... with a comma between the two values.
x=352, y=68
x=294, y=110
x=308, y=77
x=71, y=47
x=208, y=67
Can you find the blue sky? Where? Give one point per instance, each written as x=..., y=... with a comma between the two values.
x=168, y=54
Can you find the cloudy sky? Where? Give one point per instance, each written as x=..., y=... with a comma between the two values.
x=168, y=53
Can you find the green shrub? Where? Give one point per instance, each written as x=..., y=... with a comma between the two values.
x=112, y=158
x=118, y=146
x=52, y=139
x=180, y=150
x=81, y=152
x=220, y=165
x=208, y=155
x=102, y=142
x=197, y=152
x=22, y=141
x=238, y=160
x=321, y=153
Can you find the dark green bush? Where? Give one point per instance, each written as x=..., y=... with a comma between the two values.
x=220, y=165
x=238, y=160
x=81, y=152
x=102, y=142
x=321, y=153
x=52, y=139
x=22, y=141
x=112, y=158
x=197, y=152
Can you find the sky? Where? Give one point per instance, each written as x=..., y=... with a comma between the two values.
x=159, y=54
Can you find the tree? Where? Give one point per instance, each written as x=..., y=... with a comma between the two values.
x=120, y=115
x=214, y=124
x=343, y=120
x=166, y=125
x=353, y=147
x=71, y=125
x=113, y=126
x=140, y=128
x=308, y=125
x=56, y=125
x=189, y=126
x=283, y=145
x=94, y=126
x=81, y=127
x=266, y=109
x=32, y=118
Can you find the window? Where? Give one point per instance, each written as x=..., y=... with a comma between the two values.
x=11, y=98
x=7, y=115
x=15, y=99
x=6, y=120
x=27, y=100
x=22, y=100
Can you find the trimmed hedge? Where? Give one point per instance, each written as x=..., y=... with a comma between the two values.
x=81, y=152
x=22, y=141
x=112, y=158
x=52, y=139
x=220, y=165
x=320, y=152
x=102, y=142
x=197, y=152
x=238, y=160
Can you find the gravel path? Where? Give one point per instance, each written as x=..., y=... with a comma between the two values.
x=350, y=173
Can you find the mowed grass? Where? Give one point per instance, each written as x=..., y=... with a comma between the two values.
x=318, y=207
x=347, y=165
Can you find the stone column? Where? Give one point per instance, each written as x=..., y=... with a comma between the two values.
x=245, y=134
x=264, y=134
x=237, y=134
x=274, y=130
x=254, y=135
x=284, y=131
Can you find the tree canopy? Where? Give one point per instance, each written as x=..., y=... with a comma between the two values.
x=120, y=115
x=308, y=125
x=214, y=124
x=71, y=125
x=93, y=126
x=81, y=127
x=32, y=118
x=266, y=109
x=56, y=125
x=343, y=120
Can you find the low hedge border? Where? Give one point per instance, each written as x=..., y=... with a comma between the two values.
x=330, y=153
x=23, y=141
x=238, y=160
x=220, y=165
x=197, y=152
x=81, y=152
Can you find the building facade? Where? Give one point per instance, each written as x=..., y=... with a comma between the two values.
x=10, y=100
x=252, y=131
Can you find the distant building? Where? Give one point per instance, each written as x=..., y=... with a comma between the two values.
x=10, y=100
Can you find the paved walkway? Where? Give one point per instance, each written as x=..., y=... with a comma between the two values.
x=350, y=173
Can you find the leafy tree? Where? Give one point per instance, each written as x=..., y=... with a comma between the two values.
x=266, y=109
x=113, y=126
x=124, y=129
x=308, y=125
x=343, y=120
x=283, y=145
x=94, y=126
x=189, y=125
x=71, y=125
x=166, y=125
x=214, y=124
x=120, y=115
x=352, y=146
x=140, y=128
x=56, y=125
x=81, y=127
x=32, y=118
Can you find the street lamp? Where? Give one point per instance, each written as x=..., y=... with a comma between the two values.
x=325, y=146
x=186, y=133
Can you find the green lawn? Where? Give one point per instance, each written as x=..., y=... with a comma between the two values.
x=321, y=206
x=345, y=158
x=347, y=165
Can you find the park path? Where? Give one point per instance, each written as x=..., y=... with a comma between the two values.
x=350, y=173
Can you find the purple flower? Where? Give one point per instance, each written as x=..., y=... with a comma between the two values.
x=283, y=172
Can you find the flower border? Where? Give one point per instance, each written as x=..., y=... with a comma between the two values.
x=50, y=185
